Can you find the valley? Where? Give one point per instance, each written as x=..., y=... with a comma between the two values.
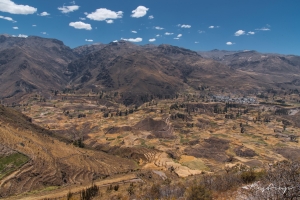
x=128, y=118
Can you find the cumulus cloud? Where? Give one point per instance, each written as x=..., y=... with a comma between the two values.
x=158, y=28
x=157, y=35
x=185, y=26
x=80, y=25
x=167, y=33
x=68, y=9
x=82, y=18
x=151, y=17
x=10, y=7
x=199, y=31
x=44, y=33
x=89, y=40
x=102, y=14
x=43, y=14
x=109, y=21
x=140, y=11
x=15, y=27
x=33, y=25
x=239, y=33
x=7, y=18
x=22, y=36
x=152, y=40
x=115, y=41
x=179, y=35
x=229, y=43
x=251, y=33
x=133, y=31
x=133, y=39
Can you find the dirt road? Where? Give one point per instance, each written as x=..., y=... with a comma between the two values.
x=62, y=192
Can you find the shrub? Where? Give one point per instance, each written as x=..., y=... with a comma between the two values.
x=198, y=192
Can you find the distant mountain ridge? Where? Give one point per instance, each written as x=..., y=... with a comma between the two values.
x=37, y=64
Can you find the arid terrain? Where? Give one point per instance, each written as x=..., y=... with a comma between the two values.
x=128, y=118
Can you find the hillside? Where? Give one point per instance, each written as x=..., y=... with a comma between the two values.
x=52, y=163
x=133, y=117
x=32, y=64
x=139, y=71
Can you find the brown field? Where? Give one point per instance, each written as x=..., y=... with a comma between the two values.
x=187, y=139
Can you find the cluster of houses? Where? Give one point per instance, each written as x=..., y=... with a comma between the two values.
x=239, y=100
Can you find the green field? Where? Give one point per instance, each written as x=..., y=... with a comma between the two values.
x=11, y=162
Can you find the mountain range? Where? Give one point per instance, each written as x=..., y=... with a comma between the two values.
x=36, y=64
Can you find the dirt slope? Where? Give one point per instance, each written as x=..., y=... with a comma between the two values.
x=52, y=162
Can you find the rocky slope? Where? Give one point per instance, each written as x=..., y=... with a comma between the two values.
x=32, y=64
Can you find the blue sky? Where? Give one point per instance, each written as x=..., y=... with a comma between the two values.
x=262, y=25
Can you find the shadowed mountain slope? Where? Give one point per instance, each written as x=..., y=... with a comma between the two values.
x=32, y=64
x=136, y=71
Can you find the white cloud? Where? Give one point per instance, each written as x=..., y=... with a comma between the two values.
x=89, y=40
x=44, y=33
x=152, y=40
x=185, y=26
x=22, y=36
x=7, y=18
x=102, y=14
x=151, y=17
x=10, y=7
x=82, y=18
x=239, y=33
x=68, y=9
x=133, y=39
x=196, y=42
x=157, y=35
x=140, y=11
x=179, y=35
x=81, y=25
x=133, y=31
x=229, y=43
x=158, y=28
x=176, y=38
x=115, y=41
x=167, y=33
x=15, y=27
x=44, y=14
x=263, y=29
x=73, y=2
x=109, y=21
x=33, y=25
x=214, y=27
x=199, y=31
x=251, y=33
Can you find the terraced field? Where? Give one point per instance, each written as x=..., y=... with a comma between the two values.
x=52, y=162
x=184, y=138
